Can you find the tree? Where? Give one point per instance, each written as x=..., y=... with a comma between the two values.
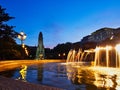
x=61, y=50
x=8, y=47
x=6, y=30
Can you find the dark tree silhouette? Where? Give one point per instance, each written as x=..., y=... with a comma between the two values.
x=8, y=47
x=6, y=30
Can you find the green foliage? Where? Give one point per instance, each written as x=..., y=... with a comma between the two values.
x=8, y=47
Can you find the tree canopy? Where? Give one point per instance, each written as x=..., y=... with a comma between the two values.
x=8, y=46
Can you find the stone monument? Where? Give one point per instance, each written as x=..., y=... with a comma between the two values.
x=40, y=52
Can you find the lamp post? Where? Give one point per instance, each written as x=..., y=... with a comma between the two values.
x=22, y=36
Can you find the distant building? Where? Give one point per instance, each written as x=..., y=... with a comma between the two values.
x=99, y=35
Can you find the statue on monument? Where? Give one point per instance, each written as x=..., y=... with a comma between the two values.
x=40, y=52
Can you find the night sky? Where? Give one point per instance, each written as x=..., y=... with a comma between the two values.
x=61, y=21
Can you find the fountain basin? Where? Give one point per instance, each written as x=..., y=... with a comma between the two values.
x=72, y=76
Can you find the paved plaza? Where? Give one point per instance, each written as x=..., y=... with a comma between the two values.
x=11, y=84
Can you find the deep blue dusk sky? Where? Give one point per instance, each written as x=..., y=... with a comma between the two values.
x=61, y=21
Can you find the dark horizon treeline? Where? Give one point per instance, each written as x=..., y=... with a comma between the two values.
x=60, y=51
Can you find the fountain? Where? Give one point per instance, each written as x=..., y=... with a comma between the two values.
x=79, y=56
x=105, y=70
x=107, y=56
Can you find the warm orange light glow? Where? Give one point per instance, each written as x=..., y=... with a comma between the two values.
x=107, y=77
x=108, y=47
x=22, y=36
x=58, y=54
x=23, y=45
x=23, y=72
x=63, y=54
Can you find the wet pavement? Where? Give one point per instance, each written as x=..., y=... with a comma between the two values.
x=11, y=84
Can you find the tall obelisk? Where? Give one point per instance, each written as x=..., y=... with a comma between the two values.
x=40, y=52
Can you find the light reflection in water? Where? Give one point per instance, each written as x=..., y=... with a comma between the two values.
x=99, y=77
x=107, y=77
x=78, y=75
x=39, y=72
x=23, y=73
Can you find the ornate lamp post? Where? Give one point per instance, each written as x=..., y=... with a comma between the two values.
x=22, y=36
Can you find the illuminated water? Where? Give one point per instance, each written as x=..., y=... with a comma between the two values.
x=73, y=76
x=104, y=74
x=107, y=56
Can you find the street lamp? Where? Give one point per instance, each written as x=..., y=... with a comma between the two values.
x=22, y=36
